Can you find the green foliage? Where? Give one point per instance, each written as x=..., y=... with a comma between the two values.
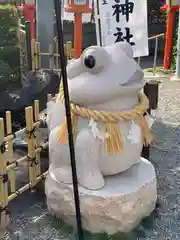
x=5, y=70
x=174, y=50
x=9, y=49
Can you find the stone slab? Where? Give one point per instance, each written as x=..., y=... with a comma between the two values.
x=118, y=207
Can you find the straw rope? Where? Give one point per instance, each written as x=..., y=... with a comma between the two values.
x=114, y=142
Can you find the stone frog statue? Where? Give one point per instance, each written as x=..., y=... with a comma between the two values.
x=107, y=111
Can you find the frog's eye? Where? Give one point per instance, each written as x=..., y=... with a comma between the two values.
x=89, y=61
x=94, y=59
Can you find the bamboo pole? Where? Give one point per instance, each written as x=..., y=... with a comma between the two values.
x=71, y=52
x=10, y=151
x=69, y=48
x=51, y=57
x=22, y=131
x=65, y=49
x=33, y=55
x=36, y=118
x=4, y=217
x=19, y=192
x=26, y=187
x=31, y=145
x=36, y=55
x=56, y=52
x=28, y=45
x=47, y=54
x=49, y=97
x=52, y=54
x=25, y=158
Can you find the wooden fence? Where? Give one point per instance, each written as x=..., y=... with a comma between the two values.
x=8, y=164
x=52, y=54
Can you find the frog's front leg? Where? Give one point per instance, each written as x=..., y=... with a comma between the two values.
x=87, y=151
x=60, y=167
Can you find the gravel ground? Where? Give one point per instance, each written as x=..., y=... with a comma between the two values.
x=165, y=156
x=30, y=219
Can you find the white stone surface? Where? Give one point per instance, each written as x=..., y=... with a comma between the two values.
x=119, y=206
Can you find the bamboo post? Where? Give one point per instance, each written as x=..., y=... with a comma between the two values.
x=31, y=145
x=49, y=97
x=38, y=55
x=58, y=57
x=56, y=51
x=33, y=55
x=66, y=52
x=4, y=216
x=28, y=45
x=51, y=56
x=70, y=50
x=69, y=47
x=139, y=60
x=65, y=49
x=36, y=118
x=10, y=151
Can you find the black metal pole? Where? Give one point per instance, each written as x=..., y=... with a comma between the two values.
x=28, y=45
x=57, y=5
x=99, y=24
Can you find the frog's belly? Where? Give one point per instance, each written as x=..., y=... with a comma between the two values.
x=114, y=164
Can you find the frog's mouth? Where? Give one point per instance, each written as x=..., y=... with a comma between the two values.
x=136, y=81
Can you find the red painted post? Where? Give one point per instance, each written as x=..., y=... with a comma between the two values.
x=77, y=35
x=78, y=10
x=169, y=39
x=171, y=11
x=29, y=14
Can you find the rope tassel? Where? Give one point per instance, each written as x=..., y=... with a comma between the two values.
x=114, y=143
x=62, y=134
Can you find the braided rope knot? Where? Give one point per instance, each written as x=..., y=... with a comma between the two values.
x=114, y=143
x=105, y=117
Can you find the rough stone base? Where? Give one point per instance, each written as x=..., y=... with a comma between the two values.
x=118, y=207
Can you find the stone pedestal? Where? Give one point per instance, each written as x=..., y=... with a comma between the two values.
x=118, y=207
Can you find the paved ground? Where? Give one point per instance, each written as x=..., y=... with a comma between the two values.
x=30, y=219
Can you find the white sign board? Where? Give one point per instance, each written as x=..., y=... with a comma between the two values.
x=80, y=2
x=29, y=1
x=123, y=20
